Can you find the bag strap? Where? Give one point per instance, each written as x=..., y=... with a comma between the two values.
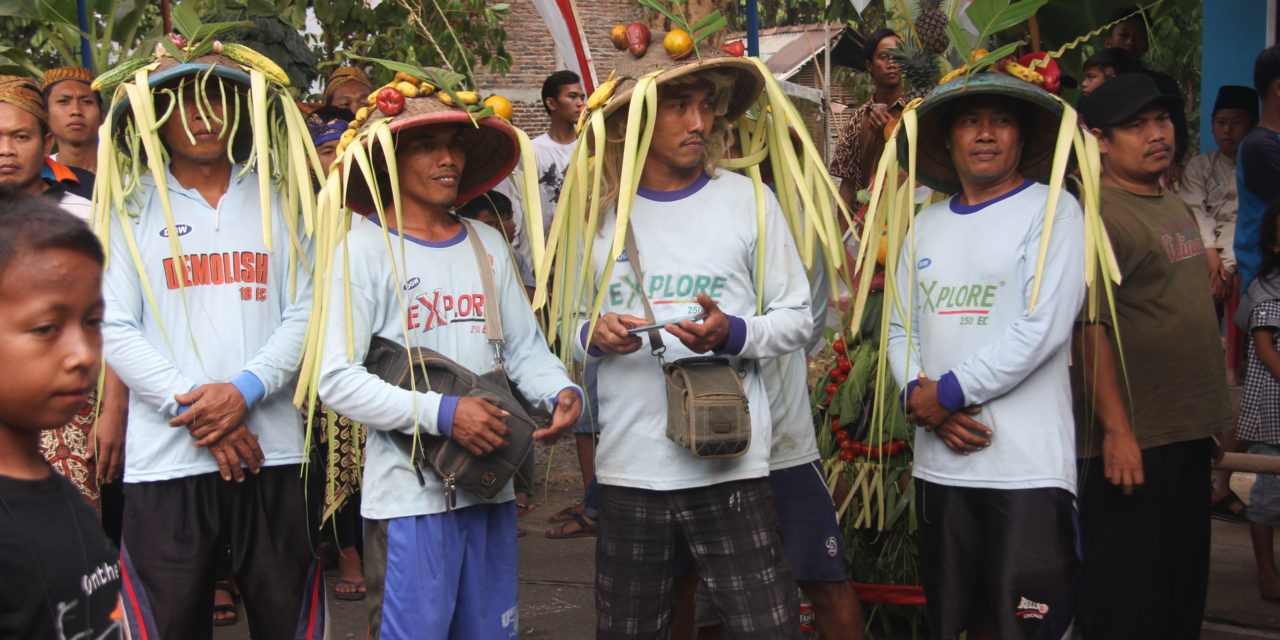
x=492, y=308
x=633, y=257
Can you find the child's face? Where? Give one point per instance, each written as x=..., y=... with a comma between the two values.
x=50, y=337
x=507, y=226
x=1094, y=77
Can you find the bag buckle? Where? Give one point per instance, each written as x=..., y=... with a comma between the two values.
x=498, y=361
x=450, y=492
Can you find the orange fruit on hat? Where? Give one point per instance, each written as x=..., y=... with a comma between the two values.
x=678, y=43
x=501, y=107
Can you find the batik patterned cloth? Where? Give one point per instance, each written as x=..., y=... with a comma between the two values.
x=67, y=449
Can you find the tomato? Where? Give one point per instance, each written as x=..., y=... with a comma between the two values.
x=847, y=456
x=838, y=375
x=835, y=424
x=846, y=445
x=843, y=436
x=832, y=388
x=873, y=452
x=838, y=345
x=859, y=449
x=843, y=364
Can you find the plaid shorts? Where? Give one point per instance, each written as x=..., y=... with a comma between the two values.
x=731, y=531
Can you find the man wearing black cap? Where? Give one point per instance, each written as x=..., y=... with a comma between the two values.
x=1259, y=167
x=1143, y=430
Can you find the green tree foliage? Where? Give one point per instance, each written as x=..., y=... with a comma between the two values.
x=38, y=34
x=456, y=34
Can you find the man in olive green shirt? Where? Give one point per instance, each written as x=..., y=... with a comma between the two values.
x=1150, y=387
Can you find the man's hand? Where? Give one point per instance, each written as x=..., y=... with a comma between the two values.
x=879, y=116
x=568, y=408
x=109, y=429
x=216, y=409
x=108, y=434
x=238, y=445
x=478, y=426
x=1122, y=460
x=712, y=333
x=961, y=433
x=923, y=408
x=1219, y=276
x=611, y=334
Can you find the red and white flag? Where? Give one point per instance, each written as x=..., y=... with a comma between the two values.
x=561, y=17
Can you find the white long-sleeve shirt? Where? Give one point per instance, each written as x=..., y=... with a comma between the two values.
x=701, y=239
x=973, y=269
x=234, y=318
x=439, y=299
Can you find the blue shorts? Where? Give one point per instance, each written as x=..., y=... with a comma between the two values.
x=443, y=576
x=587, y=422
x=807, y=518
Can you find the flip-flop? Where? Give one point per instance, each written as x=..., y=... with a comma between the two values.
x=348, y=595
x=1221, y=509
x=586, y=529
x=233, y=608
x=566, y=514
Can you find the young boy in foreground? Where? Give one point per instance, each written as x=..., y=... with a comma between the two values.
x=61, y=572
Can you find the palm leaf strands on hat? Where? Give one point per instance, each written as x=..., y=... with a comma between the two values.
x=892, y=210
x=278, y=149
x=366, y=149
x=806, y=195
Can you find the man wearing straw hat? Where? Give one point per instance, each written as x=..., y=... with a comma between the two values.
x=697, y=238
x=209, y=298
x=347, y=88
x=75, y=113
x=983, y=361
x=412, y=274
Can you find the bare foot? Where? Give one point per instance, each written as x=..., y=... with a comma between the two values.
x=1269, y=586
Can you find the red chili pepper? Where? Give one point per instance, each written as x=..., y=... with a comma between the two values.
x=1052, y=74
x=838, y=345
x=390, y=101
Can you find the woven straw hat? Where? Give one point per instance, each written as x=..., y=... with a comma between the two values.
x=746, y=87
x=490, y=144
x=934, y=167
x=59, y=74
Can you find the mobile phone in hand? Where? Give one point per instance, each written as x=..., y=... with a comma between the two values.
x=647, y=328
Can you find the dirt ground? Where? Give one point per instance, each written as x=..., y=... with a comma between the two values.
x=556, y=576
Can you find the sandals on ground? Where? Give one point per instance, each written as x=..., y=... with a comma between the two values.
x=586, y=528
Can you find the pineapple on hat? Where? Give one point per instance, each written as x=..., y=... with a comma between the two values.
x=931, y=26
